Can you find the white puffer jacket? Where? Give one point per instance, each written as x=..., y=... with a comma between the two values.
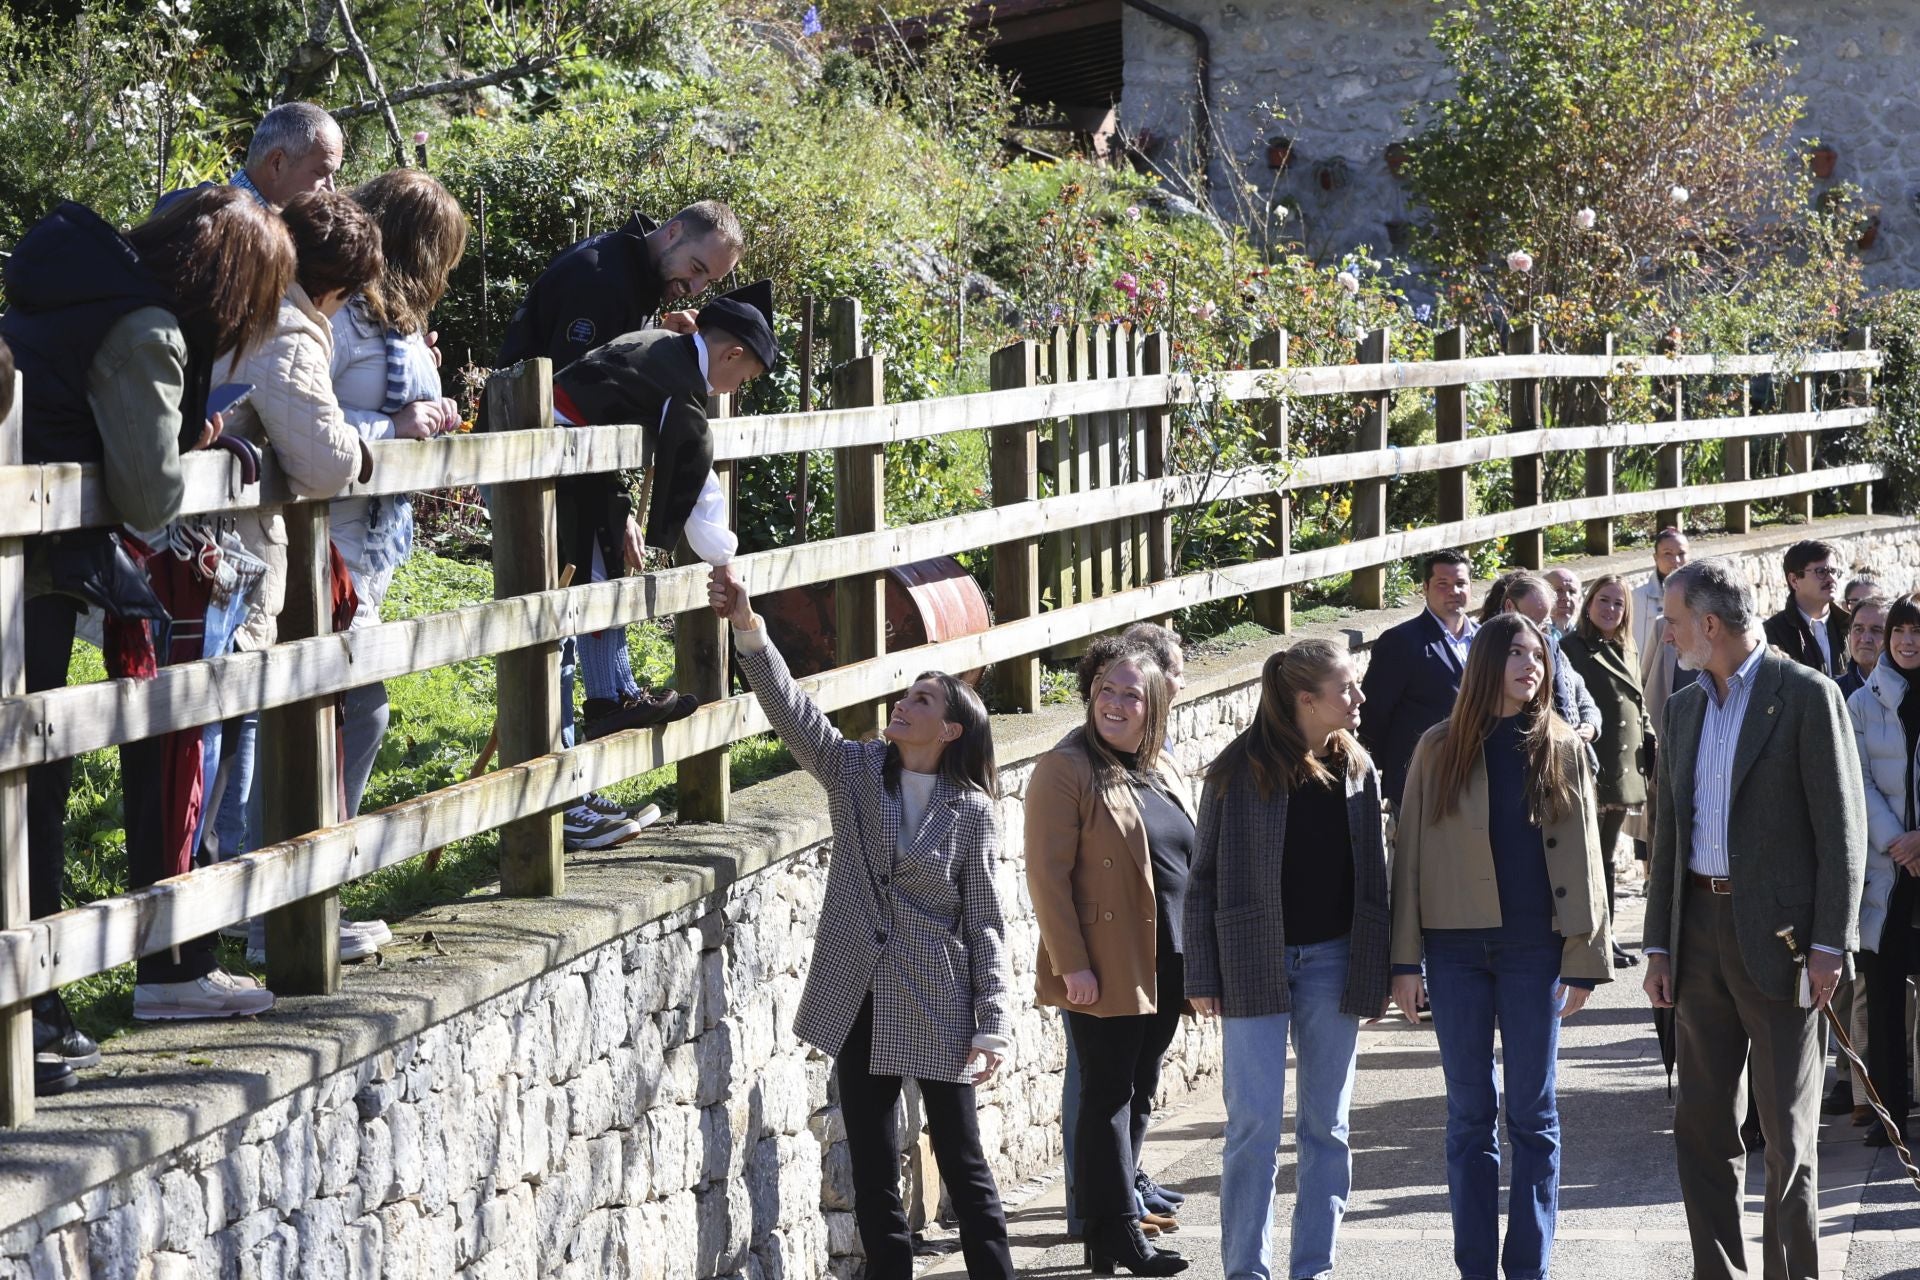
x=293, y=410
x=1882, y=742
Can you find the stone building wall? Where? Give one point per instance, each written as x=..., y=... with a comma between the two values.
x=1346, y=73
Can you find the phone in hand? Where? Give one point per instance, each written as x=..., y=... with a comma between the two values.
x=227, y=397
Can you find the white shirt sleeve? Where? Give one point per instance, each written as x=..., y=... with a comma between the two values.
x=706, y=529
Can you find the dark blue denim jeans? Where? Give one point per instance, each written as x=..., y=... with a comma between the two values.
x=1475, y=987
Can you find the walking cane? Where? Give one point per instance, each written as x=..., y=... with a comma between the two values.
x=1785, y=935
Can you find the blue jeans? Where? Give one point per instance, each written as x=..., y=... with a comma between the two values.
x=1474, y=987
x=1324, y=1041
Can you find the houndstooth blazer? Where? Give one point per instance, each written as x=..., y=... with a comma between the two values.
x=921, y=930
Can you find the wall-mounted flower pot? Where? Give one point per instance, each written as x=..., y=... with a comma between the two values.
x=1869, y=233
x=1331, y=175
x=1279, y=153
x=1396, y=157
x=1822, y=160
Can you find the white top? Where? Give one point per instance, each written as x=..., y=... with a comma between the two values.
x=916, y=792
x=1820, y=637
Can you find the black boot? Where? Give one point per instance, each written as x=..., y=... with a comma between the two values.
x=1117, y=1242
x=54, y=1032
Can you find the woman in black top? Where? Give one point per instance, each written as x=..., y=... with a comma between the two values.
x=1287, y=937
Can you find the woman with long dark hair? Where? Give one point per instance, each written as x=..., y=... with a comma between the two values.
x=1287, y=937
x=1109, y=843
x=117, y=337
x=1600, y=648
x=1497, y=886
x=909, y=977
x=1886, y=730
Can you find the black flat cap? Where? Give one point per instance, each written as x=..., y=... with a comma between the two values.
x=747, y=314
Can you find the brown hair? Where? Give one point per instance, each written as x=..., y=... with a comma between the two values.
x=967, y=761
x=705, y=218
x=1552, y=785
x=227, y=259
x=1272, y=750
x=337, y=243
x=1583, y=625
x=1107, y=764
x=422, y=235
x=6, y=379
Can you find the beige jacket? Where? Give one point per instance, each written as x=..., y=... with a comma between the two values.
x=1091, y=881
x=292, y=409
x=1443, y=872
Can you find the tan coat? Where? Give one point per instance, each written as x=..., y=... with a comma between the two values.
x=1443, y=873
x=1091, y=881
x=292, y=409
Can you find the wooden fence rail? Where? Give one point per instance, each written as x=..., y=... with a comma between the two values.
x=1099, y=549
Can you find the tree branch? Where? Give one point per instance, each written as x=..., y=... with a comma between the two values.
x=359, y=47
x=440, y=88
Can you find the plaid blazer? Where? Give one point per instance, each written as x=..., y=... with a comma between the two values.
x=1235, y=930
x=921, y=930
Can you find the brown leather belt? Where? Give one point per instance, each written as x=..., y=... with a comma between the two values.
x=1712, y=884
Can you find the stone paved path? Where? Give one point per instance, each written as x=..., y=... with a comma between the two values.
x=1620, y=1208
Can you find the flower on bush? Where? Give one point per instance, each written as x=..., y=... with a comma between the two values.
x=1158, y=288
x=1348, y=281
x=1204, y=312
x=1127, y=283
x=419, y=137
x=1520, y=260
x=1133, y=213
x=1679, y=194
x=1584, y=219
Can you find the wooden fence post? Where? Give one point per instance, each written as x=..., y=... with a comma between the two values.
x=701, y=651
x=1527, y=414
x=1274, y=609
x=859, y=506
x=1670, y=461
x=1156, y=359
x=525, y=552
x=1102, y=537
x=1369, y=589
x=1736, y=464
x=1121, y=461
x=1799, y=397
x=300, y=770
x=1056, y=554
x=1590, y=408
x=16, y=903
x=1137, y=461
x=1860, y=501
x=1016, y=565
x=1450, y=425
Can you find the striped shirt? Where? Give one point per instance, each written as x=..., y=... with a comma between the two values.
x=1713, y=765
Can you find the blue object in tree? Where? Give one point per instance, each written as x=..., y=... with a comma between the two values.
x=810, y=25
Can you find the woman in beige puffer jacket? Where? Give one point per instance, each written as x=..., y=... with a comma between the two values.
x=293, y=408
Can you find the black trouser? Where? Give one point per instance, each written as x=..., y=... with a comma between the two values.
x=1611, y=821
x=50, y=625
x=1119, y=1074
x=1886, y=973
x=867, y=1105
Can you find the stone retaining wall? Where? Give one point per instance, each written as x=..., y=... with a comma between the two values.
x=604, y=1085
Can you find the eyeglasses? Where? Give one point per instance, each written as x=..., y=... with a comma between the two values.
x=1822, y=571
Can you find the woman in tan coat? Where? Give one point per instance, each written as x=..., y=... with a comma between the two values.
x=1109, y=836
x=1497, y=888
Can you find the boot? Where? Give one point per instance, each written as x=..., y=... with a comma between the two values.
x=54, y=1033
x=1116, y=1241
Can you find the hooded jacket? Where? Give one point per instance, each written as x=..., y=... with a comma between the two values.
x=590, y=294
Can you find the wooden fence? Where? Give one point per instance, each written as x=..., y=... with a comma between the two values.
x=1088, y=550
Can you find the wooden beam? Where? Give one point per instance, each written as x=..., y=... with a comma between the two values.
x=1797, y=397
x=1736, y=464
x=1016, y=562
x=859, y=506
x=702, y=652
x=1450, y=423
x=1157, y=360
x=1526, y=413
x=1670, y=460
x=526, y=562
x=1860, y=388
x=1102, y=539
x=16, y=899
x=1589, y=406
x=1274, y=609
x=1369, y=589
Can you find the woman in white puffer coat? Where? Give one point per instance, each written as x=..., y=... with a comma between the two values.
x=1886, y=729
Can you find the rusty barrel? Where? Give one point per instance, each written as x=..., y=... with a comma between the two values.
x=927, y=602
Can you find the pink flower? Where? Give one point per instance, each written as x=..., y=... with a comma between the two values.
x=1203, y=311
x=419, y=137
x=1127, y=283
x=1158, y=288
x=1348, y=281
x=1585, y=219
x=1133, y=213
x=1520, y=260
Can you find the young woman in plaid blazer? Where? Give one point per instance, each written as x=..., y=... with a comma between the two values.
x=909, y=975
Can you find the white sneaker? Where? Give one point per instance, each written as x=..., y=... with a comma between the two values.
x=358, y=939
x=218, y=995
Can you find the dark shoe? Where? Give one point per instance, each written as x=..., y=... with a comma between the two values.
x=1115, y=1242
x=54, y=1032
x=1839, y=1099
x=602, y=716
x=1753, y=1137
x=1863, y=1116
x=1148, y=1187
x=52, y=1075
x=1622, y=958
x=1879, y=1137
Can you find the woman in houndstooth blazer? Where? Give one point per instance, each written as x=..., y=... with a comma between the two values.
x=909, y=975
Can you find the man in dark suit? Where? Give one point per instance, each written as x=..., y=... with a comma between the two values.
x=1761, y=822
x=1415, y=668
x=1812, y=629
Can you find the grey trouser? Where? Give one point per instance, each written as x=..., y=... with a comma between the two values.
x=1724, y=1025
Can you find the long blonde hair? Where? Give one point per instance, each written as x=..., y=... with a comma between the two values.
x=1272, y=750
x=423, y=233
x=1552, y=786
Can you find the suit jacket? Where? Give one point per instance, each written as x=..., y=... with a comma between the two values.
x=1411, y=682
x=1091, y=880
x=1236, y=933
x=1788, y=632
x=921, y=930
x=1796, y=828
x=1444, y=877
x=1615, y=684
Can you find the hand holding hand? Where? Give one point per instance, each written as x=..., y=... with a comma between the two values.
x=1407, y=989
x=1659, y=982
x=729, y=599
x=1082, y=986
